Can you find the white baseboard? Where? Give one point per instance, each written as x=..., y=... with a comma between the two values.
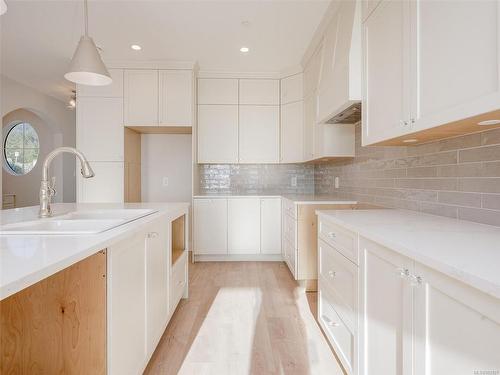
x=238, y=258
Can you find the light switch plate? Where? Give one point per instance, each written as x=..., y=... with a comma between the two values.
x=165, y=181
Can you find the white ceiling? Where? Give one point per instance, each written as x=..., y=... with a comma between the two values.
x=39, y=37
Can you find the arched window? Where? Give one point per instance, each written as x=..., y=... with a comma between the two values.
x=21, y=148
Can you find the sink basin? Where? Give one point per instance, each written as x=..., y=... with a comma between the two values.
x=77, y=222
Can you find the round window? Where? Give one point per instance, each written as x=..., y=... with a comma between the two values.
x=21, y=148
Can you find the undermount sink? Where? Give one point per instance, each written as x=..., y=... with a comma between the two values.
x=76, y=222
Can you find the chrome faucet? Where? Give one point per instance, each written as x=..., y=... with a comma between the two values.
x=47, y=190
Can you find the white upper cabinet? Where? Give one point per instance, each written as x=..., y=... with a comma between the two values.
x=292, y=132
x=217, y=91
x=340, y=79
x=292, y=88
x=270, y=226
x=176, y=98
x=259, y=91
x=457, y=328
x=99, y=134
x=309, y=126
x=243, y=220
x=455, y=50
x=114, y=90
x=431, y=63
x=311, y=73
x=386, y=70
x=259, y=134
x=141, y=98
x=217, y=134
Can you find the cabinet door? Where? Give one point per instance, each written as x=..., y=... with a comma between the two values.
x=386, y=72
x=385, y=311
x=107, y=186
x=270, y=226
x=259, y=134
x=292, y=89
x=457, y=328
x=455, y=60
x=99, y=129
x=176, y=97
x=210, y=226
x=217, y=134
x=217, y=91
x=243, y=221
x=309, y=125
x=113, y=90
x=141, y=98
x=157, y=269
x=126, y=300
x=292, y=142
x=259, y=91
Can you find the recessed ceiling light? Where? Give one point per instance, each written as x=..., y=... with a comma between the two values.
x=489, y=122
x=411, y=140
x=244, y=49
x=136, y=47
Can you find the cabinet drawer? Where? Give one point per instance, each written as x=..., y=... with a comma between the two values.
x=177, y=282
x=341, y=239
x=340, y=276
x=339, y=335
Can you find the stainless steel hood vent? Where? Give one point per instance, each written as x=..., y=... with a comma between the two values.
x=350, y=115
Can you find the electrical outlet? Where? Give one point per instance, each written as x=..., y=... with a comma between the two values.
x=337, y=182
x=294, y=181
x=165, y=181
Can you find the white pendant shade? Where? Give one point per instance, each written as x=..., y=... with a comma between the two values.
x=86, y=66
x=3, y=7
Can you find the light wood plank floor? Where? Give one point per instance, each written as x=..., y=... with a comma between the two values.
x=243, y=318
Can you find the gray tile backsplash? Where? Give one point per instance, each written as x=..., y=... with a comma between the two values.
x=457, y=177
x=255, y=178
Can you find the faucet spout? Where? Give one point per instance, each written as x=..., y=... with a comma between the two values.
x=47, y=190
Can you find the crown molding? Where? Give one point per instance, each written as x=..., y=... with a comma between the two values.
x=240, y=75
x=151, y=64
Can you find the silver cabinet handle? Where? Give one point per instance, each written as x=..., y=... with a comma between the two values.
x=412, y=120
x=415, y=280
x=329, y=321
x=332, y=274
x=180, y=282
x=403, y=123
x=404, y=273
x=152, y=234
x=332, y=235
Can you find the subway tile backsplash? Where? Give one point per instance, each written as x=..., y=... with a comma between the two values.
x=256, y=178
x=457, y=177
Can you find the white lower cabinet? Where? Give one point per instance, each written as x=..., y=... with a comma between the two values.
x=140, y=286
x=243, y=224
x=237, y=226
x=393, y=315
x=270, y=226
x=385, y=310
x=210, y=226
x=456, y=328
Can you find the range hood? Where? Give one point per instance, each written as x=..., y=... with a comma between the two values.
x=339, y=91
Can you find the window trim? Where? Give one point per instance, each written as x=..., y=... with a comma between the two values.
x=6, y=165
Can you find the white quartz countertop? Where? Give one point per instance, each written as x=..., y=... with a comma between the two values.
x=464, y=250
x=295, y=198
x=27, y=259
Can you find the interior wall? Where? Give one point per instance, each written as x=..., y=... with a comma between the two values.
x=456, y=177
x=60, y=121
x=166, y=156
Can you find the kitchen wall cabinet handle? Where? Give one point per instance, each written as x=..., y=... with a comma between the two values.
x=152, y=234
x=329, y=321
x=415, y=280
x=332, y=235
x=404, y=273
x=332, y=274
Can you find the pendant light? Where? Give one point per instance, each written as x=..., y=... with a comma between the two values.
x=86, y=66
x=3, y=7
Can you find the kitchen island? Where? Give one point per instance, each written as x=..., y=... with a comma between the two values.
x=67, y=301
